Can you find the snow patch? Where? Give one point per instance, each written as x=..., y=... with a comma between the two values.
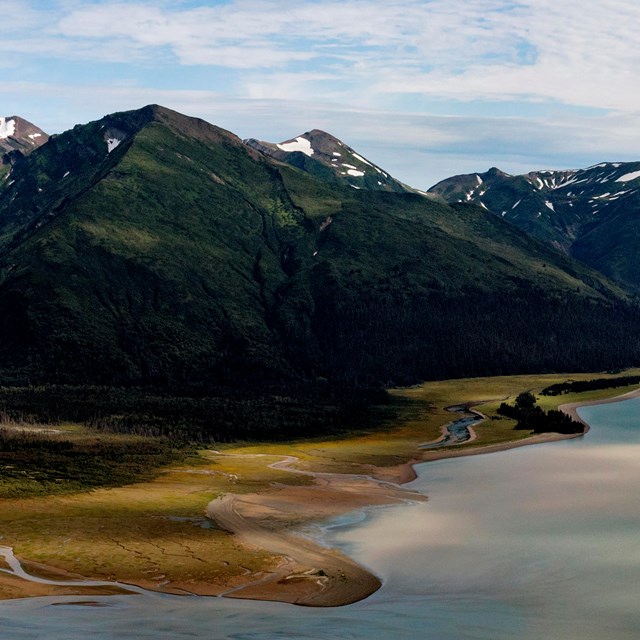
x=355, y=155
x=356, y=173
x=479, y=179
x=299, y=144
x=627, y=177
x=66, y=174
x=33, y=136
x=354, y=186
x=516, y=204
x=7, y=128
x=112, y=143
x=549, y=205
x=335, y=153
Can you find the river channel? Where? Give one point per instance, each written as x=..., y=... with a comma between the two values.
x=531, y=543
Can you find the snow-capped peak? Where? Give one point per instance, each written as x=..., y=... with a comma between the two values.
x=7, y=127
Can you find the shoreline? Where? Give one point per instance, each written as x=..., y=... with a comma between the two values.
x=308, y=573
x=570, y=408
x=405, y=473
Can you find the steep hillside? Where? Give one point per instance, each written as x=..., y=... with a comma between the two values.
x=592, y=214
x=325, y=157
x=153, y=248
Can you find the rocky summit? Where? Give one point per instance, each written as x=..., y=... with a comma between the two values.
x=330, y=159
x=16, y=134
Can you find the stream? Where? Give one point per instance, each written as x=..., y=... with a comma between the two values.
x=458, y=431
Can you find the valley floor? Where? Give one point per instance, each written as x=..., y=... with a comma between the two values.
x=238, y=521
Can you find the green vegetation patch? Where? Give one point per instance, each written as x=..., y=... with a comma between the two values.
x=580, y=386
x=533, y=418
x=39, y=462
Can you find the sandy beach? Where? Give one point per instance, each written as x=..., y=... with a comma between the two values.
x=321, y=576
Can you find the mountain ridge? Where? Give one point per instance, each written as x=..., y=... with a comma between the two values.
x=149, y=247
x=582, y=211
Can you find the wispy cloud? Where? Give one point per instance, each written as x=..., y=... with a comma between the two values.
x=453, y=49
x=376, y=73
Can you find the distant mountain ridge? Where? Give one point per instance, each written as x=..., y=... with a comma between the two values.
x=324, y=156
x=592, y=214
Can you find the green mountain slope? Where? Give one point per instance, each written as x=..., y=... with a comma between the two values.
x=153, y=248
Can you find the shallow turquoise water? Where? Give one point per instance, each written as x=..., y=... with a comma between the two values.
x=541, y=542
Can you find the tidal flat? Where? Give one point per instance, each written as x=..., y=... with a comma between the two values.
x=157, y=535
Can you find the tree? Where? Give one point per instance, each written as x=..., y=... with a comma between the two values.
x=525, y=401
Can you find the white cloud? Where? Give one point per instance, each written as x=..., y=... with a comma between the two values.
x=579, y=52
x=371, y=72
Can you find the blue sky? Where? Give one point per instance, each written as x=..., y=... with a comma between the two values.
x=424, y=88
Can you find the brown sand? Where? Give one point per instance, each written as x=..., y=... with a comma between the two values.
x=311, y=575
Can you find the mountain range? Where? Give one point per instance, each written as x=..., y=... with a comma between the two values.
x=591, y=214
x=149, y=247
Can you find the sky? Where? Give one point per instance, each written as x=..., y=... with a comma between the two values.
x=424, y=88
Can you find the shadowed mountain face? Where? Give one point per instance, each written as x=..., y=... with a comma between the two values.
x=153, y=248
x=592, y=214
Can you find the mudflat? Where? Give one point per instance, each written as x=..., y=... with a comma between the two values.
x=236, y=522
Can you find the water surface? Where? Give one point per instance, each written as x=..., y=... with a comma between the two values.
x=537, y=542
